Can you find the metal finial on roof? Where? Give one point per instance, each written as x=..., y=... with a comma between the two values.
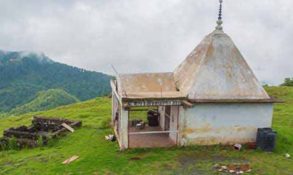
x=220, y=22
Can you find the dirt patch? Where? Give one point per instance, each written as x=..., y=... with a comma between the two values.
x=201, y=163
x=135, y=158
x=234, y=168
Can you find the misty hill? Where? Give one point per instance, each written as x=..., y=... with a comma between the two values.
x=46, y=100
x=24, y=74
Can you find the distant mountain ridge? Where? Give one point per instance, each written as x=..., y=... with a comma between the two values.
x=24, y=74
x=10, y=57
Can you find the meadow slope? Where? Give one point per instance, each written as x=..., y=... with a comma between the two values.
x=98, y=156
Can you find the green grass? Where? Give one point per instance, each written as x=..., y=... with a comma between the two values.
x=46, y=100
x=98, y=156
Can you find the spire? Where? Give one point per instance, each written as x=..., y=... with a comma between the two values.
x=220, y=22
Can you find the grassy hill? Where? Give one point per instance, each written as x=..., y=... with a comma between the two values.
x=24, y=74
x=45, y=100
x=98, y=156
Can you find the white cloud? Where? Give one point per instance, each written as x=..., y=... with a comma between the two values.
x=147, y=36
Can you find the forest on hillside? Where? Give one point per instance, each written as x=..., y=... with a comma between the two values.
x=24, y=75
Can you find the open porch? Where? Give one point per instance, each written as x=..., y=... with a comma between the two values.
x=145, y=123
x=146, y=119
x=149, y=137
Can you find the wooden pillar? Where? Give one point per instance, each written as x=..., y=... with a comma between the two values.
x=113, y=107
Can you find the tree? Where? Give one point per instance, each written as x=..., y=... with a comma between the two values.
x=287, y=82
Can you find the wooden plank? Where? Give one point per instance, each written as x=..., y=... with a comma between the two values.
x=20, y=134
x=113, y=86
x=71, y=159
x=59, y=132
x=118, y=138
x=69, y=128
x=187, y=103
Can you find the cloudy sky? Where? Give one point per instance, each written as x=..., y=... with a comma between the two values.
x=148, y=35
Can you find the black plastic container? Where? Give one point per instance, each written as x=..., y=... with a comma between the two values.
x=261, y=132
x=269, y=141
x=153, y=118
x=266, y=139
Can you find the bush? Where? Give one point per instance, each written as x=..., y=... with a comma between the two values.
x=287, y=82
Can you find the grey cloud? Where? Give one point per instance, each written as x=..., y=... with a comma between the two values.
x=148, y=36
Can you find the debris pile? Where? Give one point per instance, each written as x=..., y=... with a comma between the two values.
x=233, y=168
x=237, y=146
x=111, y=138
x=42, y=129
x=139, y=124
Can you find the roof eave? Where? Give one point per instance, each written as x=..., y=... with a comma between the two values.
x=152, y=98
x=269, y=100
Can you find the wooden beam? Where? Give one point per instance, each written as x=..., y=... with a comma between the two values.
x=71, y=159
x=67, y=127
x=187, y=103
x=113, y=86
x=117, y=137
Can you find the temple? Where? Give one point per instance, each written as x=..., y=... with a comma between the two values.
x=212, y=97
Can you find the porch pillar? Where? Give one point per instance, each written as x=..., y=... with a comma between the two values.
x=162, y=116
x=124, y=128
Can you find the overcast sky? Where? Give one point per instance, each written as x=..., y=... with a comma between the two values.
x=148, y=35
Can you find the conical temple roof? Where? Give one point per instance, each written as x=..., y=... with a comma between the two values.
x=216, y=70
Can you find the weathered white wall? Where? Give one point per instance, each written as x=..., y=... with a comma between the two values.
x=174, y=122
x=181, y=126
x=208, y=124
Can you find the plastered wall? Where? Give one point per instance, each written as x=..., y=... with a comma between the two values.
x=207, y=124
